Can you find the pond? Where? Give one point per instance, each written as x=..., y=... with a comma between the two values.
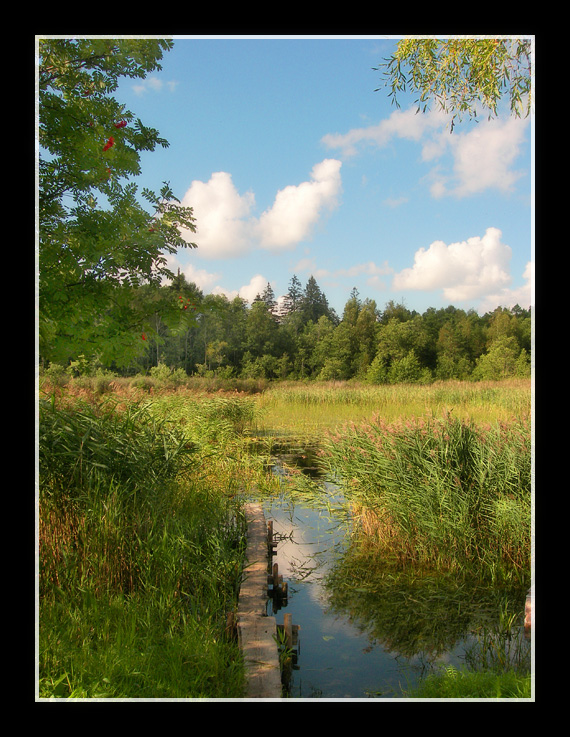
x=373, y=636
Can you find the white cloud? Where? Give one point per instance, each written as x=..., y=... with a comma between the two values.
x=256, y=286
x=465, y=270
x=153, y=84
x=248, y=292
x=368, y=268
x=305, y=264
x=200, y=277
x=394, y=202
x=482, y=158
x=226, y=227
x=221, y=213
x=297, y=208
x=522, y=296
x=401, y=124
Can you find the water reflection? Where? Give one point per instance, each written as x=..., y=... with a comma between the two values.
x=367, y=630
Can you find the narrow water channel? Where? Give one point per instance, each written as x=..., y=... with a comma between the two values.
x=377, y=640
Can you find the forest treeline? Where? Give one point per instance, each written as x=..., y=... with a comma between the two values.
x=301, y=337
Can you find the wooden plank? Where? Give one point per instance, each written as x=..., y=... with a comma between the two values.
x=256, y=631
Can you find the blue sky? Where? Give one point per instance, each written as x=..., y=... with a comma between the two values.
x=295, y=165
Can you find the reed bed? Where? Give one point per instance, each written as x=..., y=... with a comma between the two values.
x=441, y=492
x=141, y=545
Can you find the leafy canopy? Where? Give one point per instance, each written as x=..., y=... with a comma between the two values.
x=97, y=244
x=458, y=74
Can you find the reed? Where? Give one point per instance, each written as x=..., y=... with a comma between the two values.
x=141, y=545
x=441, y=492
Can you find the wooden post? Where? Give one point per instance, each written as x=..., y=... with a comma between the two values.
x=528, y=612
x=288, y=629
x=276, y=577
x=271, y=544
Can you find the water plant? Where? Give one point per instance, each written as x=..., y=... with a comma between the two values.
x=442, y=492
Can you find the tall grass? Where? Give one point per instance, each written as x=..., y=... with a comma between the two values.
x=453, y=683
x=305, y=408
x=141, y=545
x=441, y=492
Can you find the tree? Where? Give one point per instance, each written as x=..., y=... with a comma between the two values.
x=399, y=345
x=294, y=294
x=314, y=304
x=261, y=330
x=500, y=361
x=94, y=257
x=452, y=353
x=268, y=297
x=458, y=74
x=365, y=332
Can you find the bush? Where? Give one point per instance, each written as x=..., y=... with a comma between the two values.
x=164, y=375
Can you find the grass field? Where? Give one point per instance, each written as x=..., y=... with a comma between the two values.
x=307, y=408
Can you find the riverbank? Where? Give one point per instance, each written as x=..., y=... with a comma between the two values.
x=141, y=527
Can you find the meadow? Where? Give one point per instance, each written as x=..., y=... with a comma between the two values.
x=141, y=535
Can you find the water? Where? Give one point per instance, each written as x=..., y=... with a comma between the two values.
x=361, y=643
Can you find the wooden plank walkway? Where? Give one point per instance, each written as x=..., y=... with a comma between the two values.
x=257, y=632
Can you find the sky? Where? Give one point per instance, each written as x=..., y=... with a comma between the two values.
x=295, y=165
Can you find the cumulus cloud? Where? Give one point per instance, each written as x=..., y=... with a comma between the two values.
x=368, y=269
x=256, y=286
x=202, y=278
x=394, y=202
x=248, y=292
x=222, y=216
x=522, y=296
x=297, y=208
x=483, y=159
x=225, y=223
x=465, y=270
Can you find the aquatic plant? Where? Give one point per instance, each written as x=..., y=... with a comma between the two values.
x=441, y=491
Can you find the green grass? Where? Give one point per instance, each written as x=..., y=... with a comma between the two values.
x=452, y=683
x=306, y=409
x=141, y=550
